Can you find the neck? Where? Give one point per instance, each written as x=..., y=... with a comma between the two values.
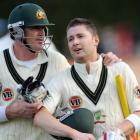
x=88, y=60
x=23, y=53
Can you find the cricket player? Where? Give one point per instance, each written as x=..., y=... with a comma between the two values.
x=24, y=66
x=90, y=84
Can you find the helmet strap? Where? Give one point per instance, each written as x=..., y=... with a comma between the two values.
x=27, y=46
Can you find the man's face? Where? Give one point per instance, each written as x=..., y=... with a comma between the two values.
x=35, y=37
x=82, y=43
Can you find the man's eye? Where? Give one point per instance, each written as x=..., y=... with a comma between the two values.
x=70, y=39
x=80, y=36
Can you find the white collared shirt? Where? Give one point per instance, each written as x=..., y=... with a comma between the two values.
x=26, y=130
x=107, y=112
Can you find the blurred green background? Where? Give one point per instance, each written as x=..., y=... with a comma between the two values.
x=118, y=23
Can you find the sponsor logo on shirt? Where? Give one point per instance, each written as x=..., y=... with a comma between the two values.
x=75, y=102
x=7, y=94
x=137, y=91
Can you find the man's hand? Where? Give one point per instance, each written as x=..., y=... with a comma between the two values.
x=83, y=136
x=110, y=58
x=22, y=109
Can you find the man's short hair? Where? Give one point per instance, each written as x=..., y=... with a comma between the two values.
x=82, y=21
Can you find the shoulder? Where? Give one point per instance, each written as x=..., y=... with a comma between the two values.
x=2, y=55
x=61, y=77
x=2, y=51
x=56, y=54
x=3, y=62
x=63, y=74
x=119, y=66
x=57, y=58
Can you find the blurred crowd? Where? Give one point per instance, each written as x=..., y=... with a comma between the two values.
x=123, y=40
x=120, y=39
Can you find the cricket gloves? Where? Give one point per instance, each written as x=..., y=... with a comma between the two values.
x=32, y=91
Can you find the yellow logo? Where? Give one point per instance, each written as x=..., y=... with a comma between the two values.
x=40, y=14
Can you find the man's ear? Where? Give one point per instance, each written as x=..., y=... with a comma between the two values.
x=96, y=40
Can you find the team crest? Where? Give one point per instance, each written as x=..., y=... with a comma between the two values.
x=75, y=102
x=7, y=94
x=40, y=15
x=99, y=117
x=137, y=91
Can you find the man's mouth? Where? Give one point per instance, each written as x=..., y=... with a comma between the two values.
x=40, y=41
x=77, y=50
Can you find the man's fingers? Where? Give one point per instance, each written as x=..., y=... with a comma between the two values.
x=110, y=58
x=37, y=105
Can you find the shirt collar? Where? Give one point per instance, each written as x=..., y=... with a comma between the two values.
x=94, y=66
x=42, y=57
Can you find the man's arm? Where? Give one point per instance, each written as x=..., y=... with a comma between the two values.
x=46, y=121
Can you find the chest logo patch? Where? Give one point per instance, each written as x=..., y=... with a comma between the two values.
x=75, y=102
x=7, y=94
x=99, y=117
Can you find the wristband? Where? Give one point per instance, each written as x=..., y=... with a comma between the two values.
x=135, y=120
x=3, y=117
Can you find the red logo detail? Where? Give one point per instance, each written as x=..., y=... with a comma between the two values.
x=75, y=102
x=7, y=94
x=138, y=93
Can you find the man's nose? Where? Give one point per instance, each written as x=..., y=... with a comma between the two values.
x=75, y=41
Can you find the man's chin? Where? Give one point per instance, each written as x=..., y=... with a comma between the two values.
x=80, y=59
x=39, y=49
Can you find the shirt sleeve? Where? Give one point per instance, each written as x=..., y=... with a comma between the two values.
x=131, y=85
x=53, y=98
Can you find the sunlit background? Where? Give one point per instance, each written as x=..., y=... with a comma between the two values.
x=118, y=23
